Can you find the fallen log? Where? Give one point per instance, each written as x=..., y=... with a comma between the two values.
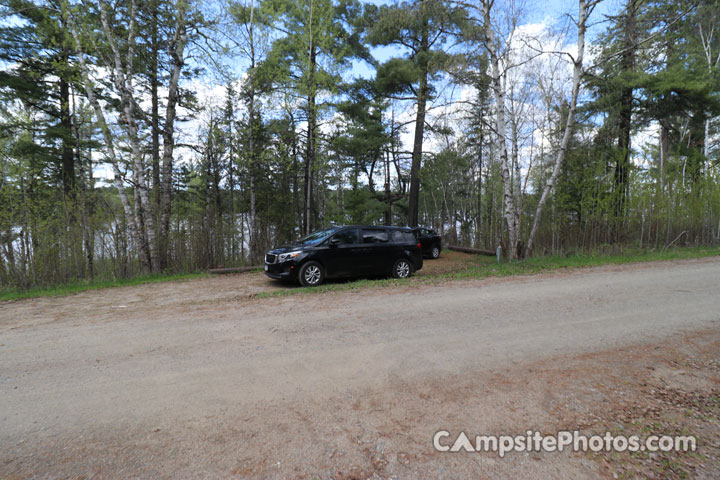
x=476, y=251
x=221, y=271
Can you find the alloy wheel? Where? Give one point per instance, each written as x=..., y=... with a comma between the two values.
x=312, y=275
x=402, y=269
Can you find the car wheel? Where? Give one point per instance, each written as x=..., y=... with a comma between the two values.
x=435, y=252
x=311, y=274
x=401, y=269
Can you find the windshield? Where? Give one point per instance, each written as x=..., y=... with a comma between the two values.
x=317, y=237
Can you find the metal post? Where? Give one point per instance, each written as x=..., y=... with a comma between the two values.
x=498, y=252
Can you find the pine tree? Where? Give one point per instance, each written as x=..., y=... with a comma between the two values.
x=423, y=29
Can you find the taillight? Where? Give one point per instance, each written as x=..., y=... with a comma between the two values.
x=419, y=245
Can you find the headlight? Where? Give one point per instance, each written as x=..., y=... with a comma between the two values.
x=284, y=257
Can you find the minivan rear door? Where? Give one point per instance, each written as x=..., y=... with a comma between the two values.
x=377, y=250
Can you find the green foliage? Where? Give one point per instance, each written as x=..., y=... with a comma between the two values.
x=398, y=75
x=422, y=28
x=319, y=26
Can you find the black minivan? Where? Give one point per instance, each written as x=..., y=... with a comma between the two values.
x=349, y=251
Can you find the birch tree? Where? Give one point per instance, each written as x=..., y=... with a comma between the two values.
x=496, y=50
x=177, y=54
x=130, y=217
x=120, y=61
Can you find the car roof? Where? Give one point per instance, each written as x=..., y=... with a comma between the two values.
x=375, y=226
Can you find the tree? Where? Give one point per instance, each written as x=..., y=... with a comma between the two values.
x=318, y=40
x=363, y=144
x=120, y=62
x=423, y=29
x=254, y=51
x=584, y=11
x=38, y=45
x=496, y=49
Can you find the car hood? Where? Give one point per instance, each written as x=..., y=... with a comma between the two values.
x=292, y=247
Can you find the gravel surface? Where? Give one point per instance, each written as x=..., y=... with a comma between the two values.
x=199, y=379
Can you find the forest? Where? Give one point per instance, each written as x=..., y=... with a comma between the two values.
x=139, y=137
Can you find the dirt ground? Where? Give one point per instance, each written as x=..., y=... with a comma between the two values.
x=200, y=379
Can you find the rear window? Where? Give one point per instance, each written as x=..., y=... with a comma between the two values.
x=375, y=236
x=402, y=236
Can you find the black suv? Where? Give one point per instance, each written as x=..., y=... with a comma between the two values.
x=430, y=241
x=348, y=251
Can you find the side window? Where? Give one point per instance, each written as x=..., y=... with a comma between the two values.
x=347, y=237
x=423, y=232
x=375, y=236
x=400, y=236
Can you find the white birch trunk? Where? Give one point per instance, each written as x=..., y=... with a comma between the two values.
x=107, y=134
x=122, y=78
x=510, y=211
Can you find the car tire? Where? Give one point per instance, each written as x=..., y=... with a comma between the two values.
x=311, y=274
x=402, y=268
x=435, y=252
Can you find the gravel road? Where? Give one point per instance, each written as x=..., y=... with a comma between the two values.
x=189, y=380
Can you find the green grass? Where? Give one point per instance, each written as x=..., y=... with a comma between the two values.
x=76, y=287
x=483, y=267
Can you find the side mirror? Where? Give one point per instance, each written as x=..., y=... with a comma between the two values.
x=334, y=242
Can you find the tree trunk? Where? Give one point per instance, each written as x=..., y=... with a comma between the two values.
x=478, y=215
x=388, y=201
x=622, y=166
x=664, y=150
x=310, y=147
x=252, y=145
x=177, y=52
x=422, y=97
x=87, y=234
x=68, y=157
x=231, y=187
x=510, y=212
x=155, y=116
x=67, y=167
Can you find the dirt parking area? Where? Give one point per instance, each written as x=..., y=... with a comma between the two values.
x=202, y=379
